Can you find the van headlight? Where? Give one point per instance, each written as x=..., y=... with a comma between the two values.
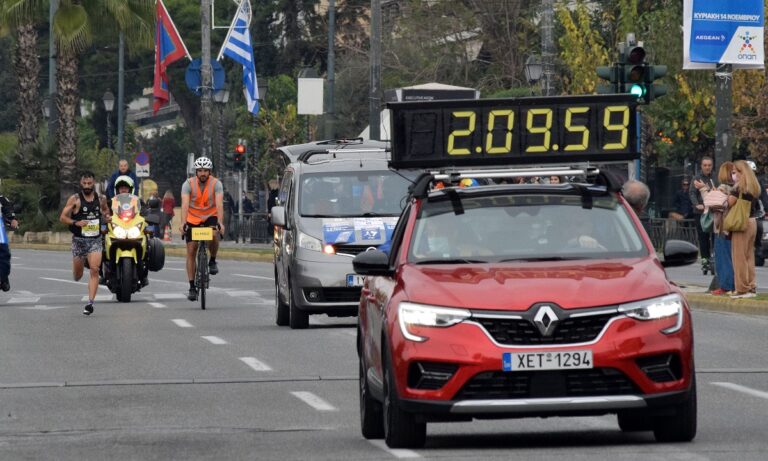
x=657, y=308
x=134, y=232
x=419, y=315
x=309, y=243
x=119, y=232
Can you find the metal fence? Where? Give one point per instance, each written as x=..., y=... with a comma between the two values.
x=255, y=228
x=661, y=230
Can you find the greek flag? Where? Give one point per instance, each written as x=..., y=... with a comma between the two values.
x=237, y=46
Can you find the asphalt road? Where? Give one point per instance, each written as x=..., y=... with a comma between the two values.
x=160, y=379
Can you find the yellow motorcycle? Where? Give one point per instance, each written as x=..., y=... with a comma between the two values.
x=130, y=251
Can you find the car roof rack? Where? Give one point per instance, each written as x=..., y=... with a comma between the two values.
x=304, y=157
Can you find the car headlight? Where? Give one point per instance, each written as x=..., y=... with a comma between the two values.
x=134, y=232
x=309, y=243
x=657, y=308
x=119, y=232
x=419, y=315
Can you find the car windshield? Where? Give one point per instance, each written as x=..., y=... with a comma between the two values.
x=539, y=227
x=354, y=193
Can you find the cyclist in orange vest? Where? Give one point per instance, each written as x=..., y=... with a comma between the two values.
x=202, y=204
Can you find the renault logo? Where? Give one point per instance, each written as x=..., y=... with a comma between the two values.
x=546, y=320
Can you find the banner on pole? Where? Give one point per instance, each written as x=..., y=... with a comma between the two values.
x=723, y=32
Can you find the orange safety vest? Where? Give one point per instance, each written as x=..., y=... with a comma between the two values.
x=202, y=203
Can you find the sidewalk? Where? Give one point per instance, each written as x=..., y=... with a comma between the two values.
x=700, y=299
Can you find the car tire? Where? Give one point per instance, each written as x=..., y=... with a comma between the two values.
x=635, y=421
x=680, y=427
x=371, y=415
x=282, y=313
x=401, y=430
x=299, y=320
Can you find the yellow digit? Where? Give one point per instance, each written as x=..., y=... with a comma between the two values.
x=507, y=140
x=545, y=130
x=576, y=129
x=452, y=150
x=623, y=127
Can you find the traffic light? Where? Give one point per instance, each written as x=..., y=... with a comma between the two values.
x=229, y=161
x=634, y=69
x=612, y=75
x=654, y=90
x=239, y=156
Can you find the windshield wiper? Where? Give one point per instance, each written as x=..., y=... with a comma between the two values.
x=543, y=258
x=452, y=261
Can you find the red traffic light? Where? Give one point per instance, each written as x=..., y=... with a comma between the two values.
x=240, y=149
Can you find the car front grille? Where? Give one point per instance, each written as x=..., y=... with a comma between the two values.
x=547, y=384
x=352, y=250
x=332, y=294
x=522, y=332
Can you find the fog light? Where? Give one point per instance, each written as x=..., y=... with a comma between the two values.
x=314, y=295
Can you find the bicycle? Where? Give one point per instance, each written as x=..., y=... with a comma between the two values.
x=202, y=235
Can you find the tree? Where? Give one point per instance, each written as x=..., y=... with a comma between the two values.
x=73, y=24
x=582, y=50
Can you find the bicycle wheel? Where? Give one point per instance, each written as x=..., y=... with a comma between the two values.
x=202, y=273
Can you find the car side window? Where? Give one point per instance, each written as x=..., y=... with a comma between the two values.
x=285, y=191
x=397, y=235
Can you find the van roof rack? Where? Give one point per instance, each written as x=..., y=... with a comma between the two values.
x=304, y=157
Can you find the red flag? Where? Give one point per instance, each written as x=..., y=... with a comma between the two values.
x=169, y=48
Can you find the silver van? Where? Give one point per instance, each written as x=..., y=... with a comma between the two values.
x=336, y=200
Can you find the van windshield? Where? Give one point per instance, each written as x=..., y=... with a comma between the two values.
x=353, y=193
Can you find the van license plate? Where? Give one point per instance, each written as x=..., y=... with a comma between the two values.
x=354, y=280
x=564, y=360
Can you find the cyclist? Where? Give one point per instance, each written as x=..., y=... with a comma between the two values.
x=202, y=203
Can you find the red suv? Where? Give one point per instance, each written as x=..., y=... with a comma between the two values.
x=518, y=300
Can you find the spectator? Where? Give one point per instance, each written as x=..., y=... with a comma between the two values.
x=705, y=177
x=637, y=194
x=683, y=205
x=122, y=170
x=274, y=192
x=229, y=210
x=556, y=180
x=743, y=242
x=6, y=217
x=723, y=262
x=247, y=205
x=169, y=203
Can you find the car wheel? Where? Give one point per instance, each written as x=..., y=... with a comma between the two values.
x=680, y=427
x=400, y=428
x=299, y=319
x=635, y=421
x=371, y=419
x=282, y=313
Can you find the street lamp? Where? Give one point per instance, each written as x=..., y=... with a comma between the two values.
x=533, y=69
x=47, y=108
x=109, y=105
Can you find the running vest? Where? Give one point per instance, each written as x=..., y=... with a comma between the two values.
x=91, y=212
x=202, y=202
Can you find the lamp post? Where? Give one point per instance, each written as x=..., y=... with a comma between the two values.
x=533, y=69
x=47, y=108
x=220, y=98
x=109, y=105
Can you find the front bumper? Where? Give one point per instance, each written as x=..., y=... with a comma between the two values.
x=320, y=285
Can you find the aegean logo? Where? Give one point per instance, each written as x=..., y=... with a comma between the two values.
x=747, y=51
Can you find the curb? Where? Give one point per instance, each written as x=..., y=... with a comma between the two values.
x=702, y=301
x=257, y=255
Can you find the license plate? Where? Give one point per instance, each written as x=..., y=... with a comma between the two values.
x=563, y=360
x=354, y=280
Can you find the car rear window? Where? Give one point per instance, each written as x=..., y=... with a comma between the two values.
x=355, y=193
x=524, y=227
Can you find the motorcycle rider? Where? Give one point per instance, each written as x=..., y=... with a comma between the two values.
x=83, y=213
x=202, y=203
x=125, y=185
x=6, y=218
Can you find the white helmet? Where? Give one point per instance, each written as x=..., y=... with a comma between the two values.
x=124, y=180
x=203, y=163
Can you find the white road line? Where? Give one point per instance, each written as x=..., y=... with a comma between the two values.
x=157, y=305
x=256, y=364
x=169, y=296
x=214, y=340
x=71, y=281
x=400, y=453
x=313, y=401
x=744, y=389
x=181, y=323
x=42, y=307
x=172, y=269
x=98, y=298
x=25, y=292
x=254, y=277
x=243, y=294
x=25, y=300
x=43, y=269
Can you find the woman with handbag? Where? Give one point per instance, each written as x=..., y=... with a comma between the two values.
x=740, y=222
x=716, y=207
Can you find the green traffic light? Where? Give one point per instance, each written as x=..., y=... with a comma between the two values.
x=637, y=90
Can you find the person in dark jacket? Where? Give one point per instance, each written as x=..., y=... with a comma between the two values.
x=682, y=203
x=705, y=178
x=122, y=170
x=7, y=218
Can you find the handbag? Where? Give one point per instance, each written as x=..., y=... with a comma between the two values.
x=707, y=222
x=738, y=215
x=715, y=199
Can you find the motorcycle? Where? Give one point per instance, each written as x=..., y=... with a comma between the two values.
x=130, y=250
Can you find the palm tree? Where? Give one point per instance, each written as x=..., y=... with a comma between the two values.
x=21, y=15
x=73, y=24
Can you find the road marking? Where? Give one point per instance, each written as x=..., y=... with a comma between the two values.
x=157, y=305
x=181, y=323
x=45, y=269
x=27, y=300
x=744, y=389
x=400, y=453
x=314, y=401
x=71, y=281
x=42, y=307
x=243, y=294
x=159, y=296
x=214, y=340
x=98, y=298
x=254, y=277
x=256, y=364
x=172, y=269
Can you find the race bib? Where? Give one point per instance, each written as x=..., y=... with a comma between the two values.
x=91, y=229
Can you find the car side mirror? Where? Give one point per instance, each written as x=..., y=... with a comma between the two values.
x=374, y=262
x=679, y=253
x=278, y=216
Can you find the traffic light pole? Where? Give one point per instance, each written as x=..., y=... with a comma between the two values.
x=723, y=110
x=239, y=206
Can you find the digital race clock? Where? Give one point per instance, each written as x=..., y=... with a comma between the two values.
x=483, y=132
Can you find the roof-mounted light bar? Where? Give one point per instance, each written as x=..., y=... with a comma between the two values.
x=334, y=152
x=516, y=173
